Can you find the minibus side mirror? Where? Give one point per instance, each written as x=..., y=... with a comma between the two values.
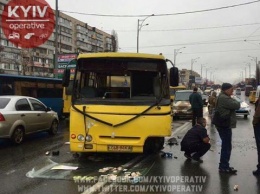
x=66, y=78
x=174, y=76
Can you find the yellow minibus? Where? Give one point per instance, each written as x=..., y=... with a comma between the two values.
x=120, y=102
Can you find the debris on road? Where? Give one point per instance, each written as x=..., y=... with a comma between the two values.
x=172, y=141
x=105, y=169
x=134, y=177
x=64, y=167
x=166, y=155
x=236, y=188
x=55, y=153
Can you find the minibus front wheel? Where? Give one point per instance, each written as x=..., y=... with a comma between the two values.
x=153, y=144
x=75, y=155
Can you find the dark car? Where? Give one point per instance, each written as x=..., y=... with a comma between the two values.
x=204, y=96
x=205, y=99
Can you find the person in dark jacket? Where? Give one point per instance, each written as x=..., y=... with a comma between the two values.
x=195, y=143
x=196, y=105
x=256, y=125
x=226, y=106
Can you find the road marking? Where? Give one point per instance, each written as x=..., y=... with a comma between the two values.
x=10, y=172
x=175, y=132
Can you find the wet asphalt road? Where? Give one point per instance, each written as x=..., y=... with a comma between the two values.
x=27, y=168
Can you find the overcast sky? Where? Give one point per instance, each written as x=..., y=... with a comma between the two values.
x=221, y=37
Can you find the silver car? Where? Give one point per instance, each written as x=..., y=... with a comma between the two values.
x=244, y=110
x=21, y=115
x=181, y=104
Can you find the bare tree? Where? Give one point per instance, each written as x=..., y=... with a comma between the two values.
x=26, y=57
x=114, y=41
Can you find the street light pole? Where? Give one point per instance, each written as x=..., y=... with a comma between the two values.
x=56, y=39
x=211, y=76
x=249, y=69
x=206, y=74
x=245, y=73
x=139, y=27
x=193, y=61
x=256, y=70
x=202, y=65
x=176, y=52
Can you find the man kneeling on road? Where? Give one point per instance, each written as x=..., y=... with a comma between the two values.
x=195, y=143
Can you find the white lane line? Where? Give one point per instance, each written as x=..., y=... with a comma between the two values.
x=175, y=132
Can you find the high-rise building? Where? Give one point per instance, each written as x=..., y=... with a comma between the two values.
x=73, y=36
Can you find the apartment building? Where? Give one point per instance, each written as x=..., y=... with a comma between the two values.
x=73, y=36
x=185, y=75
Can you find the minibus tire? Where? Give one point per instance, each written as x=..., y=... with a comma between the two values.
x=153, y=144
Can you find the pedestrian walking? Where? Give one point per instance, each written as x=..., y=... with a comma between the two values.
x=195, y=143
x=256, y=125
x=196, y=105
x=226, y=106
x=212, y=104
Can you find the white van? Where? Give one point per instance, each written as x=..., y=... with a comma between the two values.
x=257, y=93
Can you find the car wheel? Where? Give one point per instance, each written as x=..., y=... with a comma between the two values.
x=54, y=128
x=18, y=135
x=245, y=116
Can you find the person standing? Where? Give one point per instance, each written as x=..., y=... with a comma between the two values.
x=195, y=143
x=226, y=106
x=212, y=103
x=196, y=105
x=256, y=125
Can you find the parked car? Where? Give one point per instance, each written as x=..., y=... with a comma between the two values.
x=205, y=99
x=208, y=92
x=204, y=96
x=238, y=91
x=22, y=115
x=244, y=110
x=181, y=105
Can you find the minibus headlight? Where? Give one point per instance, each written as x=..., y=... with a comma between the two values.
x=88, y=138
x=80, y=137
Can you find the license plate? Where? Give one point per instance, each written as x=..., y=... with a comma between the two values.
x=119, y=148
